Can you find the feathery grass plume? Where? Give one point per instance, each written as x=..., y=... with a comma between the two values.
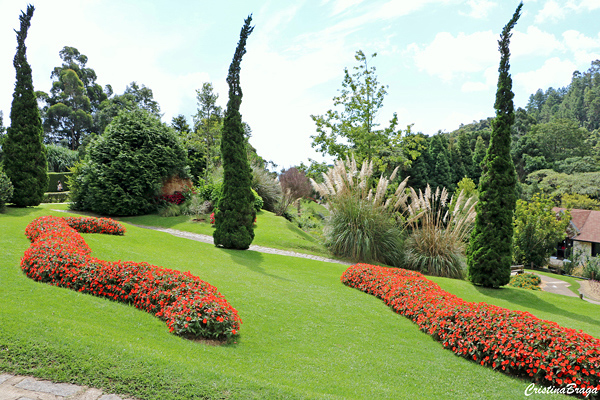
x=436, y=244
x=362, y=223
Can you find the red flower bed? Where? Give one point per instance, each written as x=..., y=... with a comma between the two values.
x=514, y=342
x=58, y=255
x=175, y=198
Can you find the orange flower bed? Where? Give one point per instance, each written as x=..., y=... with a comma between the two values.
x=513, y=342
x=58, y=255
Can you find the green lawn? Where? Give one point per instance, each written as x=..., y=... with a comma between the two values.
x=304, y=334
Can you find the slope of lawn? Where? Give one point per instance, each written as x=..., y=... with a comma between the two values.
x=270, y=231
x=304, y=334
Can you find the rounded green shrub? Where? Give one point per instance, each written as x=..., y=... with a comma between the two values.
x=125, y=167
x=6, y=190
x=258, y=201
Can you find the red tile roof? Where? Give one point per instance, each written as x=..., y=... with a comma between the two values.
x=587, y=223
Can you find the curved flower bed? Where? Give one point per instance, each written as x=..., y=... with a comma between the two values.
x=58, y=255
x=514, y=342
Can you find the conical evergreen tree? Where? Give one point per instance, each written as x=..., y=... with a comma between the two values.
x=441, y=175
x=489, y=254
x=478, y=156
x=24, y=153
x=466, y=154
x=234, y=218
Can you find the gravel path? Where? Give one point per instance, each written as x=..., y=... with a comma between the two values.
x=209, y=239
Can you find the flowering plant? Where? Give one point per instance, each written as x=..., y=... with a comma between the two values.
x=514, y=342
x=58, y=255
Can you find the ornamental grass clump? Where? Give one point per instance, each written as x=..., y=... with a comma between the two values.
x=436, y=243
x=362, y=224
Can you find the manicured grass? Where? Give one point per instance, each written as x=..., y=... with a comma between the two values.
x=270, y=231
x=304, y=334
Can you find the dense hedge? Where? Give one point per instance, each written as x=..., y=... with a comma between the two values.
x=59, y=256
x=54, y=177
x=513, y=342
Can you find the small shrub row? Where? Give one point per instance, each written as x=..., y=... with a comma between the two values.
x=526, y=281
x=513, y=342
x=55, y=197
x=59, y=256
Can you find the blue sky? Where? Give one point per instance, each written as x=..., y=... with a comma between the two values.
x=438, y=57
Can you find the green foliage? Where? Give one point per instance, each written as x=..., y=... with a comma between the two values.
x=24, y=154
x=54, y=177
x=526, y=281
x=134, y=97
x=234, y=219
x=6, y=190
x=579, y=201
x=56, y=197
x=555, y=184
x=537, y=230
x=124, y=168
x=478, y=156
x=170, y=210
x=60, y=159
x=591, y=268
x=489, y=254
x=353, y=130
x=258, y=201
x=441, y=175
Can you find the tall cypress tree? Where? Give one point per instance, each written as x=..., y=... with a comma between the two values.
x=24, y=153
x=490, y=250
x=478, y=156
x=234, y=218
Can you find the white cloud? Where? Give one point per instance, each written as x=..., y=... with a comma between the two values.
x=480, y=8
x=534, y=42
x=552, y=11
x=448, y=55
x=491, y=77
x=554, y=73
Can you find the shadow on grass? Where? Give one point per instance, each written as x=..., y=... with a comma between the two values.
x=14, y=211
x=527, y=299
x=251, y=260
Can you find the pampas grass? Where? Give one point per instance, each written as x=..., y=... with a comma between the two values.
x=437, y=242
x=362, y=224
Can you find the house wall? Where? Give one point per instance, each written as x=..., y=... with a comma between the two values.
x=585, y=247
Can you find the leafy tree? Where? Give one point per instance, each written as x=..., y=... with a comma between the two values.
x=69, y=116
x=354, y=129
x=6, y=190
x=579, y=201
x=555, y=184
x=537, y=230
x=24, y=153
x=314, y=170
x=235, y=217
x=74, y=97
x=133, y=97
x=478, y=156
x=125, y=167
x=208, y=123
x=75, y=61
x=490, y=254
